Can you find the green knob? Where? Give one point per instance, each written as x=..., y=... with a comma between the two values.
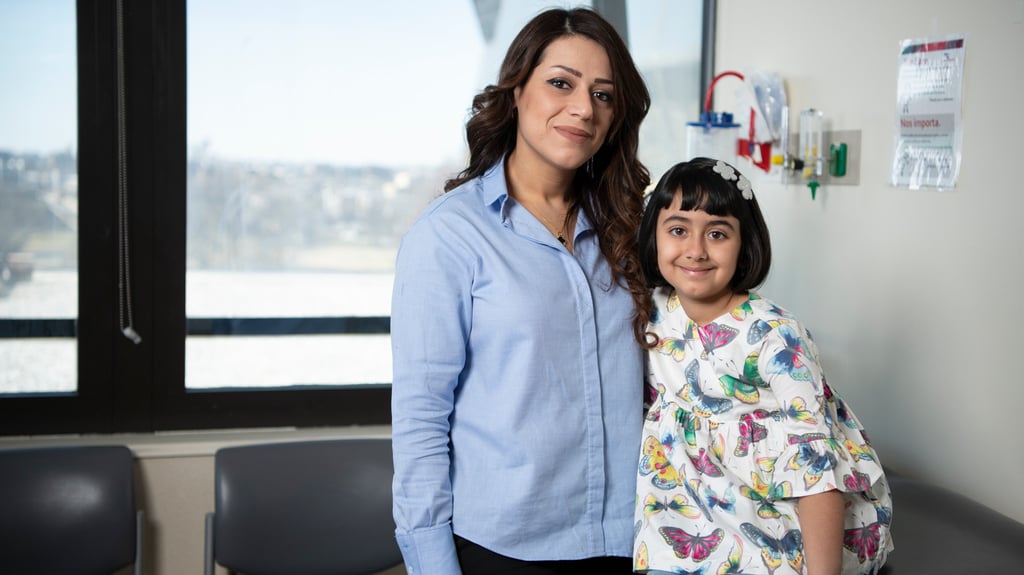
x=837, y=167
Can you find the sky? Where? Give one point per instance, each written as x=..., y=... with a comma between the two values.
x=37, y=75
x=337, y=81
x=332, y=80
x=353, y=86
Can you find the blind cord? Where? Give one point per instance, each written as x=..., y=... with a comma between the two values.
x=124, y=287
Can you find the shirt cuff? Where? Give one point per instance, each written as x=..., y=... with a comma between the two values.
x=429, y=551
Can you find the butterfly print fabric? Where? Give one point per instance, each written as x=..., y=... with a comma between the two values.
x=741, y=423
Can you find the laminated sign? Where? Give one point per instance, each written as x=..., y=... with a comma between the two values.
x=929, y=130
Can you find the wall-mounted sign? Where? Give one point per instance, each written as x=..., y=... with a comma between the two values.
x=929, y=94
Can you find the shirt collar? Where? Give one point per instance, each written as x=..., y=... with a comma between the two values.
x=495, y=193
x=494, y=187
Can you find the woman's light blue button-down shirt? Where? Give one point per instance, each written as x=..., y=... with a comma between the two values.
x=517, y=395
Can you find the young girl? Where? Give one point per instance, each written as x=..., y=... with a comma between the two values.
x=750, y=462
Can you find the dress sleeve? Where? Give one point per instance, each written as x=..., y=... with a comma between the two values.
x=430, y=322
x=825, y=446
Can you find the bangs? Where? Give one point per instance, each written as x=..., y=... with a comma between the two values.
x=702, y=190
x=696, y=197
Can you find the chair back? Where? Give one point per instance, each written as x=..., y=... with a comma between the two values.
x=303, y=508
x=68, y=510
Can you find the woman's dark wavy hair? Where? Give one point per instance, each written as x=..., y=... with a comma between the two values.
x=702, y=188
x=611, y=195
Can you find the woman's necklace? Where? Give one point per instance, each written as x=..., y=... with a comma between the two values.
x=511, y=181
x=560, y=234
x=557, y=231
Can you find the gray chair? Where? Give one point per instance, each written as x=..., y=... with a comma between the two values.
x=303, y=508
x=937, y=531
x=68, y=510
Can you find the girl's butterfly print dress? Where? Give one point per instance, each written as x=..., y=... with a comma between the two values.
x=741, y=423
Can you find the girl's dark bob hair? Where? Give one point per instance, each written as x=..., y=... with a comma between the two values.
x=702, y=188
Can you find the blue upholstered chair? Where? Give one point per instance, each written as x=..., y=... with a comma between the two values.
x=68, y=510
x=303, y=508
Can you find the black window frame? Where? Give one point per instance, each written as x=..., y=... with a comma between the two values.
x=128, y=387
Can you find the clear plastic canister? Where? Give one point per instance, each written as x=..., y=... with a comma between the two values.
x=714, y=136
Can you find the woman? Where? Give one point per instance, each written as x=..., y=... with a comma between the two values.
x=517, y=394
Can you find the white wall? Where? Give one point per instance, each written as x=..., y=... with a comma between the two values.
x=911, y=295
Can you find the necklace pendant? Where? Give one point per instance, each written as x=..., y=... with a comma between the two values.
x=561, y=238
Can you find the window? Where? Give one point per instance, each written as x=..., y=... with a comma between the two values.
x=268, y=158
x=665, y=39
x=317, y=131
x=38, y=197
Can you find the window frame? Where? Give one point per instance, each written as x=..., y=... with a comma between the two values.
x=127, y=387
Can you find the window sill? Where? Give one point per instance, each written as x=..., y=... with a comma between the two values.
x=197, y=443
